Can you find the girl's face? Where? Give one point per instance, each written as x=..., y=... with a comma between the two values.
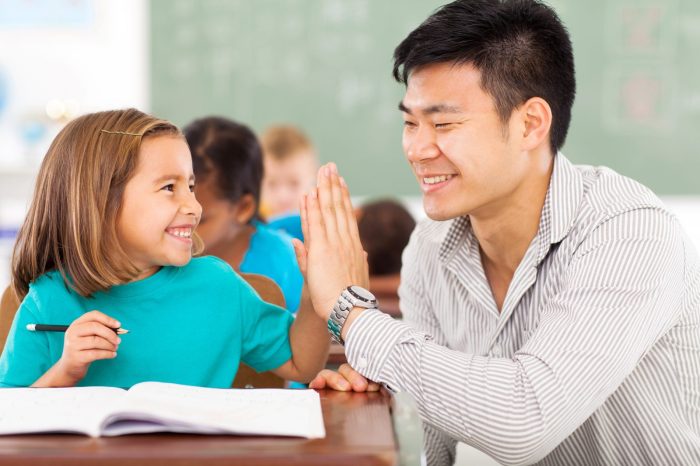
x=159, y=211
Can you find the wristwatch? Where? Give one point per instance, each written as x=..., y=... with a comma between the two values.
x=352, y=296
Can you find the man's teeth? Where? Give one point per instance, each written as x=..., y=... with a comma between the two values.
x=182, y=232
x=436, y=179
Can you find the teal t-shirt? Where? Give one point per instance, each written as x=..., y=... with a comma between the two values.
x=189, y=325
x=271, y=253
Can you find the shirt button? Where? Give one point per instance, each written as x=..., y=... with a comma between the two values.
x=496, y=351
x=361, y=363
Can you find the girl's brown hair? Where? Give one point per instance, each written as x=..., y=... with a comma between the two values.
x=71, y=225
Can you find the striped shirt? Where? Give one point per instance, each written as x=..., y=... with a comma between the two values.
x=595, y=356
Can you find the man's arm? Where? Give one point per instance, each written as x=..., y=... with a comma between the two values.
x=623, y=292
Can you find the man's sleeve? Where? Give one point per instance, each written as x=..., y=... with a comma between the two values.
x=623, y=290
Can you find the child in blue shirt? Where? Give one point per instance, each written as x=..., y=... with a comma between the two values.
x=108, y=242
x=228, y=164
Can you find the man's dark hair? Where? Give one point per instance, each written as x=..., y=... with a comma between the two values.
x=231, y=153
x=521, y=48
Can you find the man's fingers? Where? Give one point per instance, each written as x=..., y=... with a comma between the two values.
x=330, y=379
x=316, y=231
x=338, y=205
x=358, y=381
x=325, y=201
x=350, y=212
x=318, y=382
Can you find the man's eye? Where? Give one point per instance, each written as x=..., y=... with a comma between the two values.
x=409, y=124
x=442, y=125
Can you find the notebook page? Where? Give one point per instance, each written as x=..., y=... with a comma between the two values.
x=239, y=411
x=73, y=409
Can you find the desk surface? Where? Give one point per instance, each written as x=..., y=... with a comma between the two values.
x=359, y=431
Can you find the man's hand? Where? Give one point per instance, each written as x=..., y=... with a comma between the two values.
x=331, y=257
x=346, y=379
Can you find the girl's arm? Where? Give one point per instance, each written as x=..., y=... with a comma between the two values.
x=89, y=338
x=309, y=341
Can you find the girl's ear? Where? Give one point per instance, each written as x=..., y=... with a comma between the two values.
x=245, y=209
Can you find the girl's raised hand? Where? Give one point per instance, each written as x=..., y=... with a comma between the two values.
x=88, y=338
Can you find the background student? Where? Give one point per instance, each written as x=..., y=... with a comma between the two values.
x=108, y=242
x=228, y=164
x=385, y=226
x=290, y=170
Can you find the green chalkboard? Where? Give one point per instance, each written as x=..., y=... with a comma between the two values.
x=326, y=66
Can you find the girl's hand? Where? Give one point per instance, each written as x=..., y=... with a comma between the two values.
x=88, y=338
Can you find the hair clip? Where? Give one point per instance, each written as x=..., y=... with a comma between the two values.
x=120, y=132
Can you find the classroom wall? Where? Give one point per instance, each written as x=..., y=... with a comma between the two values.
x=73, y=56
x=326, y=65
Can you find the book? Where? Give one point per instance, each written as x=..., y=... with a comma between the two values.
x=161, y=407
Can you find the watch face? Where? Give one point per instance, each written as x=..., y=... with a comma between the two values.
x=362, y=293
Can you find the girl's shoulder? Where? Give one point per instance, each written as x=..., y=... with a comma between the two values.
x=49, y=293
x=50, y=283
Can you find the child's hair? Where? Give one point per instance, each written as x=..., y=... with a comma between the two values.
x=281, y=142
x=385, y=227
x=230, y=152
x=71, y=224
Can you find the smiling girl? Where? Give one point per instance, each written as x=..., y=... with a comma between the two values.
x=108, y=242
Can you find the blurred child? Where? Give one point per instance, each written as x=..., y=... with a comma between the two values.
x=385, y=227
x=228, y=165
x=108, y=242
x=290, y=171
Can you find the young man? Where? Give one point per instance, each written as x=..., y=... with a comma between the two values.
x=551, y=311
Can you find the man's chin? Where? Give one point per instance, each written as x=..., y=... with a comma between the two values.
x=439, y=215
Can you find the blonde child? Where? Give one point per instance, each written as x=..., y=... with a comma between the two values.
x=290, y=171
x=108, y=242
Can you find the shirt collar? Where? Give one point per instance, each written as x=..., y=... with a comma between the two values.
x=558, y=212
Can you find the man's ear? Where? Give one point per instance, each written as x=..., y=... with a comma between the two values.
x=536, y=115
x=245, y=208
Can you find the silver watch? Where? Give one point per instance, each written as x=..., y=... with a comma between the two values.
x=352, y=296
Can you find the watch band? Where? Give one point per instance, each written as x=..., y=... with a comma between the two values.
x=349, y=298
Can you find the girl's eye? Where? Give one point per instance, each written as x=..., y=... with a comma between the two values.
x=169, y=187
x=191, y=188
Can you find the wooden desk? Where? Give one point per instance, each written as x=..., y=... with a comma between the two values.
x=359, y=432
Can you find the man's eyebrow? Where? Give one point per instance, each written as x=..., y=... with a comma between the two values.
x=437, y=108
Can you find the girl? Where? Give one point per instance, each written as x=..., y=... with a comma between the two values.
x=108, y=242
x=228, y=165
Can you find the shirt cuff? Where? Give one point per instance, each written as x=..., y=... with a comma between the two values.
x=370, y=340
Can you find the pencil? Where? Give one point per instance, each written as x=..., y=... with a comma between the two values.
x=62, y=328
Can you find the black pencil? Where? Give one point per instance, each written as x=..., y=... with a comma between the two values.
x=62, y=328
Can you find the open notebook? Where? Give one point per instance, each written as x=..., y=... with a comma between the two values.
x=161, y=407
